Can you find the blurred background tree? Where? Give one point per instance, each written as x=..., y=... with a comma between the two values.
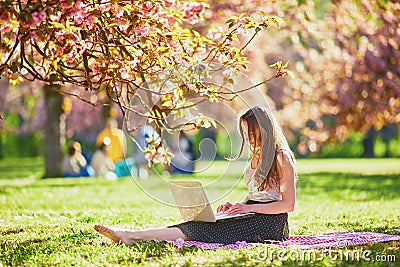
x=23, y=110
x=344, y=56
x=27, y=130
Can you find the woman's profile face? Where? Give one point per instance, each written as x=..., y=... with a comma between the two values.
x=251, y=132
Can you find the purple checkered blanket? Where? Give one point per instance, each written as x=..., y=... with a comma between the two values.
x=330, y=240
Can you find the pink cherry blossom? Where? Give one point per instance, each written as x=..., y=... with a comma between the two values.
x=198, y=8
x=95, y=69
x=193, y=7
x=147, y=8
x=228, y=73
x=221, y=58
x=59, y=50
x=193, y=11
x=124, y=74
x=71, y=56
x=119, y=12
x=169, y=3
x=39, y=17
x=28, y=24
x=88, y=22
x=106, y=7
x=5, y=28
x=65, y=5
x=78, y=15
x=142, y=32
x=124, y=23
x=215, y=33
x=60, y=34
x=171, y=20
x=4, y=15
x=35, y=37
x=133, y=63
x=242, y=21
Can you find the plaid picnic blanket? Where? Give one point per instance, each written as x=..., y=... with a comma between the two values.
x=317, y=241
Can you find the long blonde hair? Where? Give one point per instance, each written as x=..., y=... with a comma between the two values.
x=265, y=137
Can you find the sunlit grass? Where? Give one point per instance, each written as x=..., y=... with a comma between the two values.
x=50, y=221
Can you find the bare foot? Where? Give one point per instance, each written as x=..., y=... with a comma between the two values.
x=116, y=235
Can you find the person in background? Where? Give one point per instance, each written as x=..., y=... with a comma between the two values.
x=74, y=164
x=183, y=160
x=102, y=164
x=117, y=142
x=116, y=151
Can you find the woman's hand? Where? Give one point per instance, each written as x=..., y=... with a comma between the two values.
x=224, y=207
x=238, y=208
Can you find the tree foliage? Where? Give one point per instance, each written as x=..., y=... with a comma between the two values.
x=159, y=58
x=25, y=103
x=144, y=55
x=367, y=89
x=349, y=67
x=345, y=59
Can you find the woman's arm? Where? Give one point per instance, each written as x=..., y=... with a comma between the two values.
x=287, y=188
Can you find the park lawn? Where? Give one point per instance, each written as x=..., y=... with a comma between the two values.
x=50, y=221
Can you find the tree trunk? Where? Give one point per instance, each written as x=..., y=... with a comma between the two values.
x=53, y=135
x=387, y=153
x=368, y=143
x=1, y=147
x=387, y=133
x=106, y=110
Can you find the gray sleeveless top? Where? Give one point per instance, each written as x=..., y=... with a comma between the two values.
x=270, y=194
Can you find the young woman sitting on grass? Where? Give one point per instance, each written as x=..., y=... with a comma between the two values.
x=270, y=179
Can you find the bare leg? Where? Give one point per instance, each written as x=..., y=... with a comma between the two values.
x=128, y=237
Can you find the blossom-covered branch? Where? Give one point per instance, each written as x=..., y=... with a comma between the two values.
x=143, y=54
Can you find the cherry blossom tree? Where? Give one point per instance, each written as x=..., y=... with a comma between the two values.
x=367, y=91
x=344, y=57
x=146, y=56
x=349, y=68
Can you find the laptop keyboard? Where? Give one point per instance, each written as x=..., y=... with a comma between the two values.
x=221, y=215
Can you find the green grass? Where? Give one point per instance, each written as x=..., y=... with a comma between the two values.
x=50, y=221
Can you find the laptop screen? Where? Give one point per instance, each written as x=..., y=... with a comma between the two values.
x=189, y=197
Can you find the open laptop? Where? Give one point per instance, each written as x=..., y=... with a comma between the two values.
x=193, y=203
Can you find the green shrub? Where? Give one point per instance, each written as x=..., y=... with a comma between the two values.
x=30, y=145
x=351, y=148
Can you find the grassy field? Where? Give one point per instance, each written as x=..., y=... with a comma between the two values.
x=50, y=221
